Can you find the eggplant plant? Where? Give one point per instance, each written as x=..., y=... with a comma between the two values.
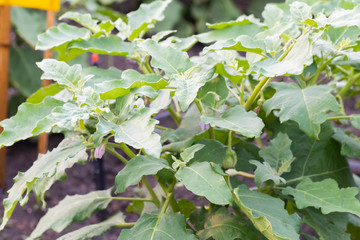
x=261, y=125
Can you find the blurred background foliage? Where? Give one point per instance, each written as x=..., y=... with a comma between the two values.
x=187, y=17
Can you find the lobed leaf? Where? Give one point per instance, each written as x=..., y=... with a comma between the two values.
x=200, y=179
x=70, y=76
x=168, y=226
x=60, y=35
x=169, y=59
x=136, y=168
x=308, y=107
x=129, y=79
x=83, y=19
x=325, y=195
x=111, y=45
x=315, y=159
x=278, y=154
x=238, y=120
x=324, y=225
x=26, y=119
x=212, y=151
x=224, y=226
x=46, y=166
x=72, y=209
x=189, y=83
x=299, y=56
x=137, y=132
x=147, y=14
x=265, y=172
x=350, y=146
x=267, y=214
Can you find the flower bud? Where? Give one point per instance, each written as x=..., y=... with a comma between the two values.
x=230, y=159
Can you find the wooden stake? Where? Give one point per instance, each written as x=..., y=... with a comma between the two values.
x=5, y=25
x=43, y=138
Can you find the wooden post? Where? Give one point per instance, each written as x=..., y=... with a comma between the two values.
x=5, y=25
x=43, y=138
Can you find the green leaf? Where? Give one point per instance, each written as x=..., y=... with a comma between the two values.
x=315, y=159
x=224, y=226
x=24, y=75
x=168, y=226
x=242, y=20
x=186, y=207
x=342, y=17
x=325, y=195
x=189, y=83
x=83, y=19
x=298, y=57
x=129, y=79
x=145, y=16
x=242, y=43
x=355, y=120
x=350, y=146
x=308, y=107
x=265, y=172
x=43, y=184
x=278, y=154
x=65, y=116
x=137, y=132
x=213, y=151
x=245, y=151
x=214, y=92
x=189, y=152
x=169, y=59
x=72, y=209
x=136, y=168
x=44, y=92
x=70, y=76
x=28, y=24
x=323, y=225
x=46, y=165
x=267, y=214
x=96, y=229
x=60, y=35
x=111, y=45
x=238, y=120
x=229, y=32
x=33, y=114
x=200, y=179
x=100, y=75
x=300, y=11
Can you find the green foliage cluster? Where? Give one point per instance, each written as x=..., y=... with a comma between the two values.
x=300, y=62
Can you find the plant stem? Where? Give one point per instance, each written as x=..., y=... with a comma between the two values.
x=348, y=85
x=320, y=69
x=131, y=199
x=338, y=118
x=233, y=172
x=123, y=225
x=174, y=115
x=161, y=127
x=163, y=210
x=127, y=150
x=259, y=143
x=151, y=191
x=112, y=151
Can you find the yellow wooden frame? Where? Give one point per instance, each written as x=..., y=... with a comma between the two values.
x=52, y=5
